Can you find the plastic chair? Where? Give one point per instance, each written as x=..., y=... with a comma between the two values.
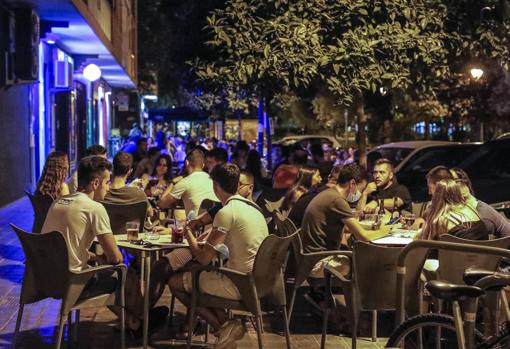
x=206, y=205
x=452, y=264
x=284, y=226
x=304, y=265
x=372, y=285
x=264, y=282
x=120, y=214
x=47, y=275
x=41, y=205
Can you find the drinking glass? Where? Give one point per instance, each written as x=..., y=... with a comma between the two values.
x=178, y=231
x=132, y=230
x=408, y=220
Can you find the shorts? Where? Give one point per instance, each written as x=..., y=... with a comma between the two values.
x=341, y=264
x=104, y=282
x=213, y=283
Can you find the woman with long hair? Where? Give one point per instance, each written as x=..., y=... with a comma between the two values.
x=53, y=179
x=306, y=179
x=161, y=176
x=450, y=213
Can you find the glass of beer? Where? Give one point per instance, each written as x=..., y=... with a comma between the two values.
x=132, y=230
x=407, y=220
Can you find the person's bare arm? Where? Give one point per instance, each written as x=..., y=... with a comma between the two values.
x=365, y=235
x=204, y=219
x=205, y=253
x=109, y=246
x=167, y=200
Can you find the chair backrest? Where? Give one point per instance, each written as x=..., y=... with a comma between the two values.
x=267, y=268
x=41, y=205
x=452, y=263
x=206, y=205
x=47, y=265
x=374, y=275
x=418, y=208
x=284, y=226
x=120, y=214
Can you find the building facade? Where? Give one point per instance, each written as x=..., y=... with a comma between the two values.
x=65, y=69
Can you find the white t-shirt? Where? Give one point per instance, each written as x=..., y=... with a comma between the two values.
x=245, y=229
x=80, y=219
x=194, y=189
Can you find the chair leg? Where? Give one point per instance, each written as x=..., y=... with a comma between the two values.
x=354, y=330
x=291, y=304
x=76, y=324
x=18, y=324
x=122, y=328
x=374, y=326
x=325, y=316
x=259, y=332
x=60, y=331
x=70, y=327
x=191, y=319
x=172, y=307
x=286, y=324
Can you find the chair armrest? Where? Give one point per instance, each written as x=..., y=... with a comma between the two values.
x=308, y=260
x=83, y=276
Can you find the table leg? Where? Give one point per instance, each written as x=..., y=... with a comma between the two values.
x=146, y=259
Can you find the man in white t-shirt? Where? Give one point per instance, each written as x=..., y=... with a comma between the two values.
x=241, y=227
x=80, y=218
x=193, y=189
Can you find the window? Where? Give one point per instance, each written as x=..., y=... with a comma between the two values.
x=427, y=158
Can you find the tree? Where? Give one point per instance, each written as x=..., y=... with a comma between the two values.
x=352, y=47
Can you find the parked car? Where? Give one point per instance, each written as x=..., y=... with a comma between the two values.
x=413, y=160
x=489, y=171
x=305, y=140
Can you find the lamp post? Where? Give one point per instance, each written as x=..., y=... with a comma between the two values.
x=476, y=74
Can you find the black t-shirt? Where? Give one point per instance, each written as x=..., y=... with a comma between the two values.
x=297, y=212
x=323, y=221
x=394, y=190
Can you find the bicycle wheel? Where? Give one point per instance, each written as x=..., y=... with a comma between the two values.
x=500, y=341
x=427, y=331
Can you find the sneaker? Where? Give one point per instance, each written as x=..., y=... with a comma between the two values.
x=229, y=333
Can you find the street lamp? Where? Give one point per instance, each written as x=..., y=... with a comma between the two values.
x=476, y=73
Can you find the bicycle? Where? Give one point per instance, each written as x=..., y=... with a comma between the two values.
x=444, y=331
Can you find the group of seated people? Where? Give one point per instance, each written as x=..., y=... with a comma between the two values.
x=237, y=224
x=321, y=205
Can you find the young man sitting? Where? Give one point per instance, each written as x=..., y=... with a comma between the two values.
x=241, y=227
x=81, y=219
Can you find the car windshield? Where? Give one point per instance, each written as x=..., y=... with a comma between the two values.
x=448, y=156
x=305, y=142
x=395, y=155
x=491, y=160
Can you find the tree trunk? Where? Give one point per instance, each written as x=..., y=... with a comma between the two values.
x=427, y=129
x=260, y=115
x=269, y=147
x=239, y=115
x=359, y=109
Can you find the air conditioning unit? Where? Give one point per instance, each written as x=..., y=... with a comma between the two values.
x=26, y=65
x=63, y=73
